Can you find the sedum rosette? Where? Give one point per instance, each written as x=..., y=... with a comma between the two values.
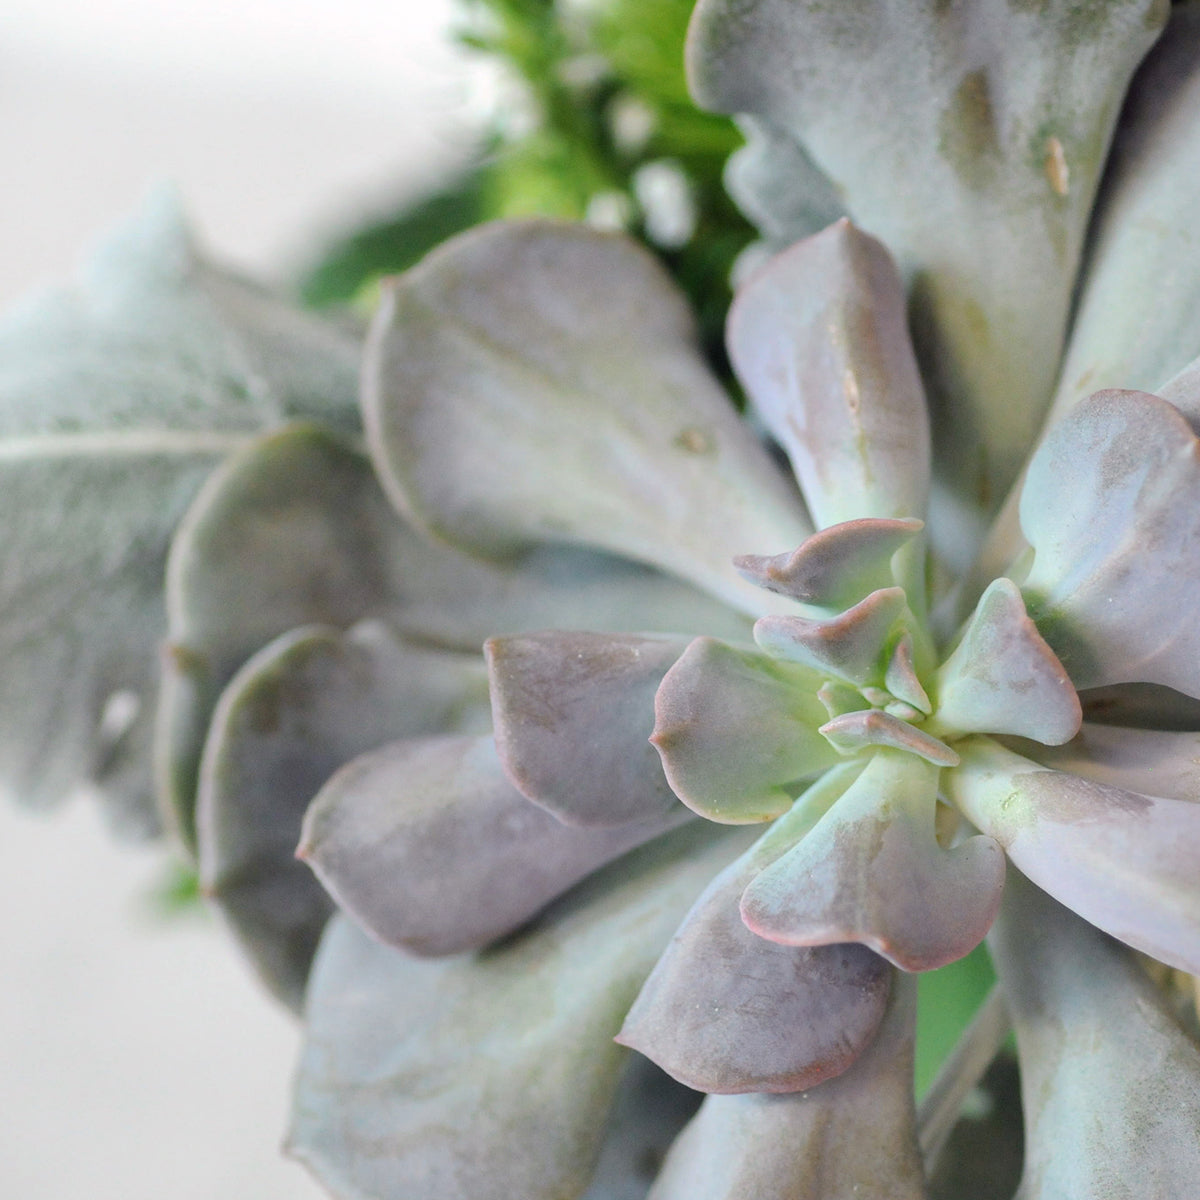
x=762, y=727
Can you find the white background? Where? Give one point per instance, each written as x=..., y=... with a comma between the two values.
x=137, y=1058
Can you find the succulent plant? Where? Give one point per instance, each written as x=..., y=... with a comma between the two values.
x=776, y=710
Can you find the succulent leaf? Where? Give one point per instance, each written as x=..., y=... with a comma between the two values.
x=1138, y=318
x=295, y=530
x=573, y=715
x=1124, y=861
x=489, y=1077
x=118, y=395
x=872, y=871
x=901, y=679
x=1110, y=1083
x=727, y=1011
x=996, y=117
x=1138, y=322
x=1151, y=761
x=853, y=732
x=1110, y=507
x=494, y=359
x=775, y=183
x=296, y=711
x=848, y=646
x=391, y=828
x=819, y=339
x=1003, y=678
x=855, y=1135
x=838, y=565
x=736, y=730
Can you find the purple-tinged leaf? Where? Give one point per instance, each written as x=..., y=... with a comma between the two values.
x=736, y=731
x=971, y=144
x=1109, y=1082
x=727, y=1011
x=819, y=339
x=573, y=716
x=488, y=1077
x=532, y=381
x=1111, y=506
x=852, y=1136
x=296, y=530
x=849, y=646
x=298, y=710
x=836, y=567
x=853, y=732
x=872, y=871
x=427, y=844
x=901, y=678
x=1150, y=761
x=1123, y=861
x=1003, y=678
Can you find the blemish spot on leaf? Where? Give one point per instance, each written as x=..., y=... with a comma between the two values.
x=695, y=441
x=184, y=660
x=968, y=131
x=1057, y=171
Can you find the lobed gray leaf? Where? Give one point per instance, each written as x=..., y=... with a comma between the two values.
x=727, y=1011
x=838, y=565
x=118, y=395
x=736, y=731
x=1003, y=678
x=850, y=646
x=853, y=732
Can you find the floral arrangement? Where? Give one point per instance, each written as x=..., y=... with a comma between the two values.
x=596, y=762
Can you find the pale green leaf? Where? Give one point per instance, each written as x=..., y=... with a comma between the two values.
x=871, y=871
x=970, y=139
x=1109, y=1082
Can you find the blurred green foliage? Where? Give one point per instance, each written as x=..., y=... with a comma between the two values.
x=599, y=127
x=947, y=1000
